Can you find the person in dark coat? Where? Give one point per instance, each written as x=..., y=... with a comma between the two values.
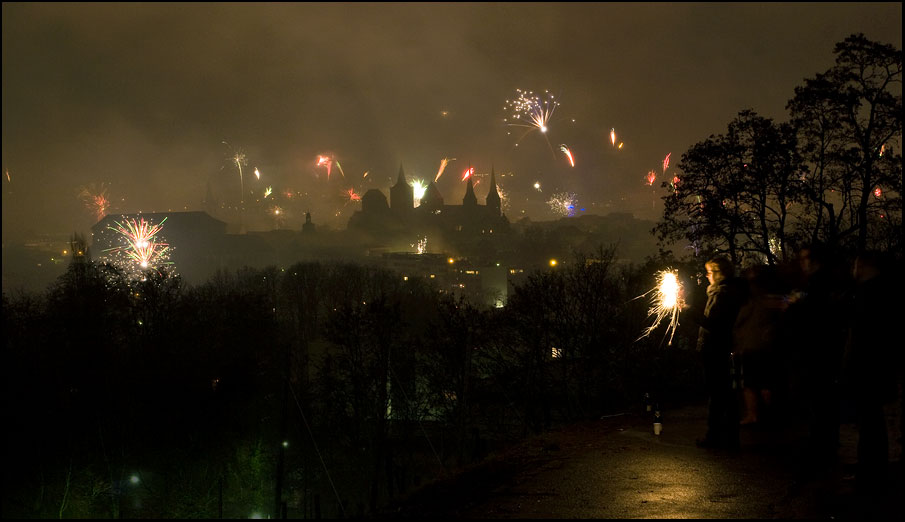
x=871, y=362
x=755, y=339
x=817, y=324
x=724, y=298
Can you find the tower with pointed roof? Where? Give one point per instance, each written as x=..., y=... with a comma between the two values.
x=493, y=203
x=402, y=196
x=470, y=200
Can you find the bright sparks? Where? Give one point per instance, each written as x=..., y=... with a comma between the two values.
x=666, y=162
x=613, y=136
x=568, y=154
x=651, y=177
x=421, y=245
x=666, y=303
x=353, y=196
x=563, y=204
x=257, y=174
x=537, y=186
x=268, y=191
x=419, y=187
x=324, y=161
x=529, y=110
x=142, y=247
x=468, y=173
x=239, y=160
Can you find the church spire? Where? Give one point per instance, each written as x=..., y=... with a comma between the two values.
x=402, y=195
x=493, y=196
x=470, y=199
x=401, y=180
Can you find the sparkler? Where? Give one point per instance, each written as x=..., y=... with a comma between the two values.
x=568, y=154
x=666, y=302
x=141, y=246
x=563, y=203
x=443, y=163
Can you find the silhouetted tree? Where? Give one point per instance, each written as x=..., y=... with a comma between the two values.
x=735, y=191
x=849, y=121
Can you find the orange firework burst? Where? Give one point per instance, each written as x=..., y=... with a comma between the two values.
x=95, y=200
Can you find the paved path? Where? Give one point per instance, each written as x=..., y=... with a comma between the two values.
x=617, y=468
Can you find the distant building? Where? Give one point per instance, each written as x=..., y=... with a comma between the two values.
x=432, y=215
x=308, y=227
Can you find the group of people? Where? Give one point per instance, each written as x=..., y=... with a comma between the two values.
x=780, y=344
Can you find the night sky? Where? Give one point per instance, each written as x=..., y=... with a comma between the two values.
x=141, y=97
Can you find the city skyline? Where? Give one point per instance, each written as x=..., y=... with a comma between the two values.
x=156, y=102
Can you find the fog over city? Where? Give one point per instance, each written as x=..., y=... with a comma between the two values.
x=151, y=104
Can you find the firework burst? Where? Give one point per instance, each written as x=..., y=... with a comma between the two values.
x=352, y=195
x=420, y=245
x=504, y=198
x=468, y=173
x=324, y=161
x=95, y=200
x=563, y=203
x=143, y=248
x=651, y=177
x=666, y=302
x=237, y=158
x=666, y=162
x=531, y=111
x=419, y=187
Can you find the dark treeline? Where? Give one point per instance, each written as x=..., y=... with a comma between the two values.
x=157, y=399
